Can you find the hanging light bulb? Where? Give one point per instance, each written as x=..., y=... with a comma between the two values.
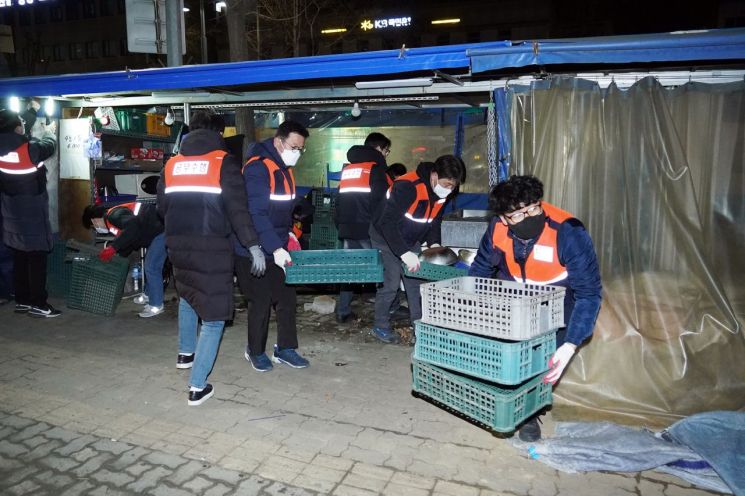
x=15, y=104
x=356, y=112
x=169, y=118
x=49, y=107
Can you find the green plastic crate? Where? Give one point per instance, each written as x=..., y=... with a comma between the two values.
x=315, y=244
x=97, y=287
x=434, y=272
x=324, y=232
x=500, y=409
x=335, y=266
x=504, y=362
x=322, y=200
x=59, y=270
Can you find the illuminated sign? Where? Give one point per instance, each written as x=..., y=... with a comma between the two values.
x=20, y=3
x=392, y=22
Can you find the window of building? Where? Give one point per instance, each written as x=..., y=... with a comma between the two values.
x=110, y=48
x=92, y=50
x=123, y=48
x=40, y=16
x=46, y=53
x=72, y=11
x=473, y=37
x=89, y=9
x=24, y=17
x=56, y=13
x=77, y=51
x=58, y=53
x=363, y=45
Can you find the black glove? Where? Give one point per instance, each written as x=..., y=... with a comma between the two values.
x=258, y=261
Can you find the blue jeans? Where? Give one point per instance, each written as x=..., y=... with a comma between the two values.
x=154, y=260
x=204, y=349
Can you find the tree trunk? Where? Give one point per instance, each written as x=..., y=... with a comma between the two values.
x=239, y=12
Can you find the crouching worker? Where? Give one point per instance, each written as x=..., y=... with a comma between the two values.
x=531, y=241
x=202, y=200
x=135, y=225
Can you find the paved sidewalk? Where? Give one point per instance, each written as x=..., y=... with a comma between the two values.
x=95, y=405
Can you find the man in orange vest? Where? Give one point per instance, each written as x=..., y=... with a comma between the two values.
x=361, y=190
x=532, y=241
x=25, y=211
x=270, y=188
x=411, y=215
x=202, y=200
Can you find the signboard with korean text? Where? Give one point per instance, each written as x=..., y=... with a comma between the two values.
x=72, y=138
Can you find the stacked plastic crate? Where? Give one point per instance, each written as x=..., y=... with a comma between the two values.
x=323, y=232
x=483, y=346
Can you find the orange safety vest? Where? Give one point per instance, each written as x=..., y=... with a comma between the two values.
x=390, y=181
x=278, y=190
x=194, y=173
x=355, y=178
x=422, y=209
x=543, y=265
x=18, y=161
x=133, y=206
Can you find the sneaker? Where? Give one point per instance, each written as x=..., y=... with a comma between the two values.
x=196, y=398
x=260, y=363
x=530, y=431
x=184, y=361
x=151, y=311
x=47, y=312
x=289, y=357
x=401, y=313
x=343, y=318
x=385, y=335
x=20, y=308
x=141, y=299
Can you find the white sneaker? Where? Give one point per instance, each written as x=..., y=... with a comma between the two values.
x=141, y=299
x=151, y=311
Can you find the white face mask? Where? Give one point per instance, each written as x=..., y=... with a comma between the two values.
x=102, y=230
x=290, y=157
x=442, y=191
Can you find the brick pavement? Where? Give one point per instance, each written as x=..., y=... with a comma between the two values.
x=90, y=405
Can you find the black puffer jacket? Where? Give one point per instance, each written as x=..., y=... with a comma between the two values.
x=24, y=202
x=198, y=227
x=137, y=231
x=354, y=211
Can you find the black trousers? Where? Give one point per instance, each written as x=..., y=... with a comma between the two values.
x=262, y=294
x=30, y=277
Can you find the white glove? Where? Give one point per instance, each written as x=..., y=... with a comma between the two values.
x=282, y=258
x=558, y=362
x=411, y=260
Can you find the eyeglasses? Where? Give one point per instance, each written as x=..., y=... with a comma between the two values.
x=300, y=149
x=530, y=211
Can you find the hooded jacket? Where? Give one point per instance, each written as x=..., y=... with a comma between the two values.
x=272, y=218
x=25, y=203
x=400, y=233
x=137, y=231
x=198, y=228
x=354, y=210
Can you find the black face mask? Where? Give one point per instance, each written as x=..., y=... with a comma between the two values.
x=529, y=227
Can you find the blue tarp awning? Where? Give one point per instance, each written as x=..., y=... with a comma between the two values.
x=723, y=44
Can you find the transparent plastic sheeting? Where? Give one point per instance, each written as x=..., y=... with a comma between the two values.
x=657, y=175
x=414, y=139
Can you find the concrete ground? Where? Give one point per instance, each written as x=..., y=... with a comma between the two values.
x=94, y=405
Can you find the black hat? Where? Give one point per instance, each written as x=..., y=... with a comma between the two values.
x=9, y=121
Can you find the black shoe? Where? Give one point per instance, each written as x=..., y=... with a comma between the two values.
x=196, y=398
x=47, y=312
x=20, y=308
x=343, y=318
x=530, y=431
x=184, y=361
x=401, y=313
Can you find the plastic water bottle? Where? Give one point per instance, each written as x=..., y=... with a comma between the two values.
x=136, y=277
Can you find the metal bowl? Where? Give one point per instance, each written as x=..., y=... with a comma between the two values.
x=466, y=256
x=439, y=255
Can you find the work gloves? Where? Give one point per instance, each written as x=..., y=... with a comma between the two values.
x=292, y=243
x=107, y=254
x=258, y=261
x=558, y=362
x=411, y=260
x=282, y=258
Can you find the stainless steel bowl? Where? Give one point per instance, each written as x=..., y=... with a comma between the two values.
x=466, y=256
x=440, y=255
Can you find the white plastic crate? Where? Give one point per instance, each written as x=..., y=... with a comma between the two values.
x=492, y=307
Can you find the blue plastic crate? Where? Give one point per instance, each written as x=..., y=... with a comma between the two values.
x=504, y=362
x=434, y=272
x=335, y=266
x=500, y=409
